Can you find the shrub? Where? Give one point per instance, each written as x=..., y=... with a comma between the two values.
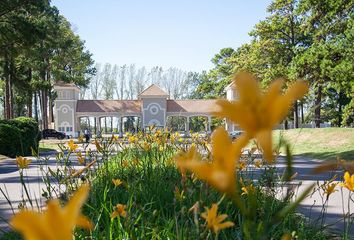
x=27, y=139
x=10, y=140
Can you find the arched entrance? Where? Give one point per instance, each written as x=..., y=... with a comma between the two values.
x=131, y=124
x=176, y=123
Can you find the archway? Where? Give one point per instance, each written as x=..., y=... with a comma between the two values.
x=131, y=124
x=88, y=123
x=176, y=123
x=198, y=124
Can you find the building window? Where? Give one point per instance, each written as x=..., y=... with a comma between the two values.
x=69, y=129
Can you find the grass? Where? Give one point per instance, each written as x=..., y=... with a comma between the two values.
x=322, y=143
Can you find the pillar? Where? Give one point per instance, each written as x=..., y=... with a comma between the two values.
x=187, y=125
x=97, y=124
x=121, y=127
x=209, y=124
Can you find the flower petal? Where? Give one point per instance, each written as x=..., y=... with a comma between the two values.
x=264, y=138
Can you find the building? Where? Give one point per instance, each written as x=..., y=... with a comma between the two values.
x=153, y=107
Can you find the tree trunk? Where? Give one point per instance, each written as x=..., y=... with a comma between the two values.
x=286, y=126
x=7, y=89
x=302, y=112
x=29, y=98
x=44, y=101
x=29, y=107
x=36, y=107
x=318, y=101
x=296, y=115
x=11, y=94
x=340, y=110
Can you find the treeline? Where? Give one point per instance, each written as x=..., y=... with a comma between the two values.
x=127, y=81
x=37, y=49
x=300, y=39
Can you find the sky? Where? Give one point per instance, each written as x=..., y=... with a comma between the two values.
x=170, y=33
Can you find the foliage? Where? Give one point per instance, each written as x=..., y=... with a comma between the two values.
x=10, y=140
x=26, y=132
x=298, y=39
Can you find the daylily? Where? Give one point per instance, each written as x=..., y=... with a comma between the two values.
x=329, y=188
x=22, y=162
x=348, y=181
x=55, y=223
x=80, y=158
x=257, y=112
x=220, y=173
x=214, y=221
x=119, y=211
x=117, y=182
x=72, y=146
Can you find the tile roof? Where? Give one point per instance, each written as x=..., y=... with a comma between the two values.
x=192, y=106
x=153, y=90
x=64, y=84
x=131, y=106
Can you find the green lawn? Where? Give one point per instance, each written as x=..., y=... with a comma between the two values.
x=324, y=143
x=48, y=147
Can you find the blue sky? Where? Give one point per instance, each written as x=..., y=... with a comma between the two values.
x=178, y=33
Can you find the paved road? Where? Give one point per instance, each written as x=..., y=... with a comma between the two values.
x=311, y=207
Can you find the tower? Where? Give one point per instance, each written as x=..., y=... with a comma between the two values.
x=65, y=107
x=154, y=106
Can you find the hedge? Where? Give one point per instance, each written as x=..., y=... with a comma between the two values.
x=18, y=136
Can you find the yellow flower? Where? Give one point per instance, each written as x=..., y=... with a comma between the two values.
x=22, y=162
x=256, y=112
x=80, y=158
x=248, y=189
x=241, y=165
x=220, y=173
x=119, y=211
x=214, y=221
x=146, y=146
x=55, y=223
x=81, y=139
x=98, y=146
x=257, y=163
x=329, y=188
x=132, y=139
x=179, y=195
x=125, y=163
x=117, y=182
x=72, y=146
x=348, y=181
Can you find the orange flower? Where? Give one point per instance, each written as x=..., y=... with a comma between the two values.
x=220, y=173
x=119, y=211
x=55, y=223
x=214, y=221
x=22, y=162
x=256, y=112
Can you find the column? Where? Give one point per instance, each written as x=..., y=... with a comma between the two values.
x=97, y=125
x=209, y=124
x=121, y=127
x=187, y=125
